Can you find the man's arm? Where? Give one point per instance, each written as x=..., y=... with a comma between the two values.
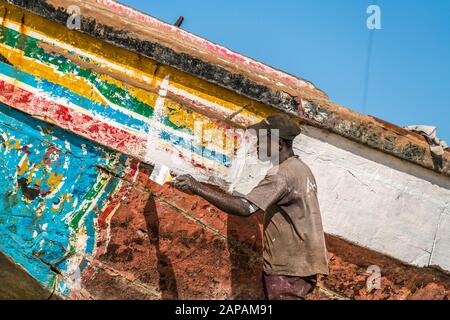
x=228, y=203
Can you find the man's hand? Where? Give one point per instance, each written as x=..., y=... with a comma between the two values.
x=187, y=183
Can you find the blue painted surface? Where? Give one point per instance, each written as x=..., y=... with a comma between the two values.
x=37, y=214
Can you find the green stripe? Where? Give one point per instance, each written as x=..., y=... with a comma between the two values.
x=110, y=91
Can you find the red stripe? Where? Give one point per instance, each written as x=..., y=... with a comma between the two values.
x=71, y=120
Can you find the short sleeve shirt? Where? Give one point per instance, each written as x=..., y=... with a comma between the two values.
x=294, y=242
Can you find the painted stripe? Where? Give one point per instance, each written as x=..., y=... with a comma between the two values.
x=69, y=119
x=59, y=93
x=8, y=74
x=89, y=127
x=57, y=61
x=14, y=38
x=202, y=103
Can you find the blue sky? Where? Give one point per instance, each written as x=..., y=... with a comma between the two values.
x=326, y=42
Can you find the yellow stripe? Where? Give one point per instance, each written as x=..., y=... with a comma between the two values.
x=76, y=84
x=138, y=66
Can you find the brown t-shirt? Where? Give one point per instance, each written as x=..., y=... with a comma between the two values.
x=294, y=242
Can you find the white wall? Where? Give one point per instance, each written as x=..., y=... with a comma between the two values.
x=379, y=201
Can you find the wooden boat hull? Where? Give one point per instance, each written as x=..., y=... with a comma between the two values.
x=83, y=120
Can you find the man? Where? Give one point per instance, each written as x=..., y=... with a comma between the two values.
x=294, y=243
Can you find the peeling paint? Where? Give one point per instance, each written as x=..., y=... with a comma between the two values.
x=83, y=114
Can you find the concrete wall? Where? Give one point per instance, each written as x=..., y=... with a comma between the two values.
x=379, y=201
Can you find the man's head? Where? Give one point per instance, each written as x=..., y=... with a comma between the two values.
x=276, y=134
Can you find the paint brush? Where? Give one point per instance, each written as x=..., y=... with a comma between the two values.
x=161, y=174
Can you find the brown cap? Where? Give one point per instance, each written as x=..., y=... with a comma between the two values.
x=288, y=129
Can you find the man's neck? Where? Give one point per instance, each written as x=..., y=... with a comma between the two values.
x=284, y=155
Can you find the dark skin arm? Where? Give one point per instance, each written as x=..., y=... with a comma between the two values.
x=228, y=203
